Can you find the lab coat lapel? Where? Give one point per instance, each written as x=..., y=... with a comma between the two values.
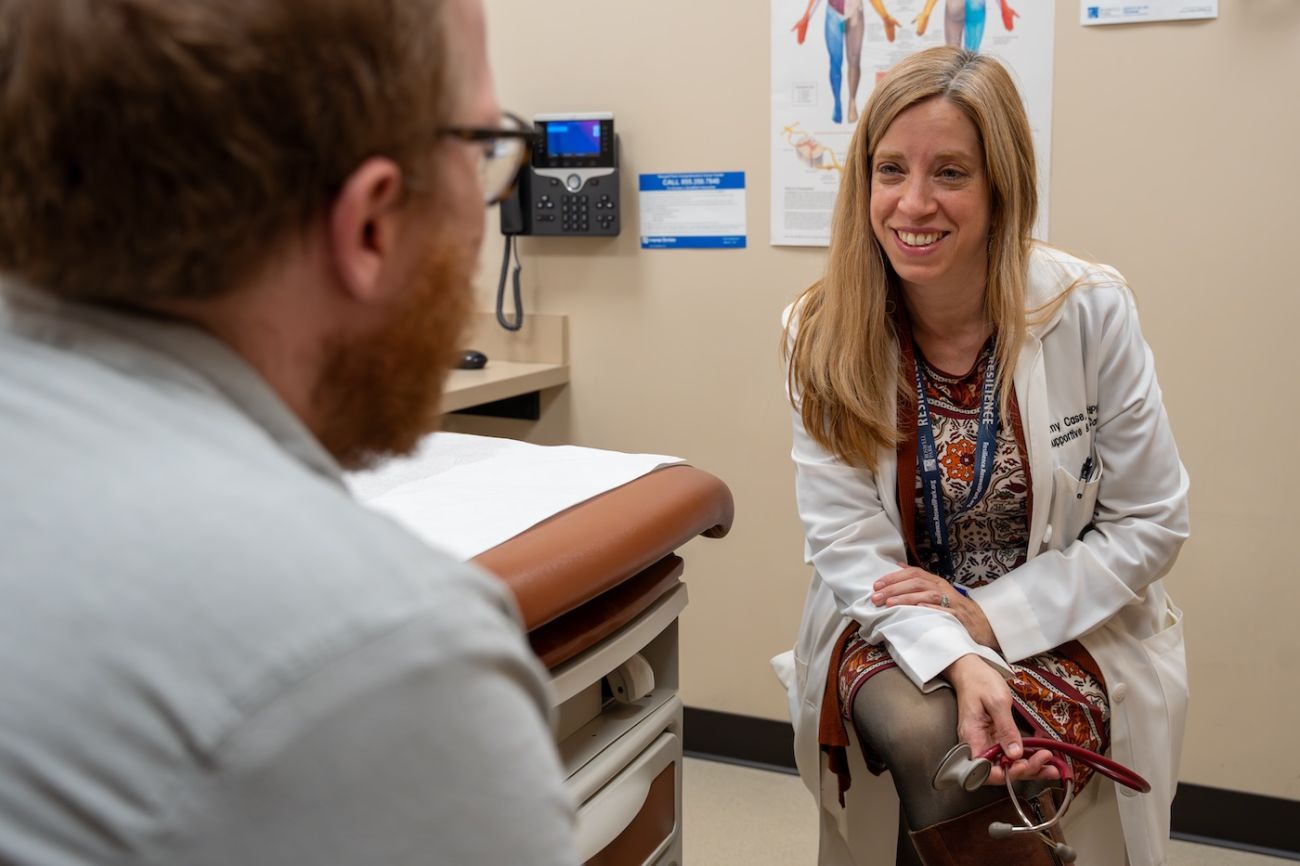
x=1031, y=393
x=887, y=473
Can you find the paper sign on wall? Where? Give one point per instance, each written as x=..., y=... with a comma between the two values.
x=693, y=210
x=1094, y=12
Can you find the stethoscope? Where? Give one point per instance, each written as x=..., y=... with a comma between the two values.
x=959, y=768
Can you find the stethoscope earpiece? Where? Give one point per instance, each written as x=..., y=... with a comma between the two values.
x=1001, y=830
x=1065, y=853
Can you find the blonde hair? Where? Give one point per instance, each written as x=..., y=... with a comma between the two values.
x=844, y=361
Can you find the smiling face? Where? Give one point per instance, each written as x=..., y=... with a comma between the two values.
x=930, y=201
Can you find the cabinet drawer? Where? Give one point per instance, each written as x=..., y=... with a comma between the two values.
x=633, y=818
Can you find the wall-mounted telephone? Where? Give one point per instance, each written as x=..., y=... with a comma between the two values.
x=568, y=189
x=570, y=186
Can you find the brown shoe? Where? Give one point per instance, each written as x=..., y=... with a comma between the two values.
x=965, y=840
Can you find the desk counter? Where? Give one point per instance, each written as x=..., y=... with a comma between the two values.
x=499, y=380
x=519, y=362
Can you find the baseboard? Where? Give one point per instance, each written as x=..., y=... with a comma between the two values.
x=1237, y=819
x=763, y=743
x=1209, y=816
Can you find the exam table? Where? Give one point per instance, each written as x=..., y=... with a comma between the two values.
x=599, y=587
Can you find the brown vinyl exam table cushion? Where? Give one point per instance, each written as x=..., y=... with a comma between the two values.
x=582, y=574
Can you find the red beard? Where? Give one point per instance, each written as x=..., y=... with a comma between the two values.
x=378, y=394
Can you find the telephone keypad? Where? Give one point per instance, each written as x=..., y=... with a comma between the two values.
x=576, y=213
x=559, y=209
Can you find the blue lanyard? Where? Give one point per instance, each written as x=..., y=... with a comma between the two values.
x=927, y=459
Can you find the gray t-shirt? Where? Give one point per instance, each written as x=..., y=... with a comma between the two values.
x=211, y=654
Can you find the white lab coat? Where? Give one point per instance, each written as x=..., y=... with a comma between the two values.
x=1086, y=385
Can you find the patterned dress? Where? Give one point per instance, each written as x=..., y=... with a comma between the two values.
x=1060, y=693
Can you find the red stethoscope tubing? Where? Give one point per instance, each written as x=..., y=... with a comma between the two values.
x=1112, y=770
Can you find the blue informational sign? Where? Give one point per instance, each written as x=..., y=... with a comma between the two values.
x=693, y=210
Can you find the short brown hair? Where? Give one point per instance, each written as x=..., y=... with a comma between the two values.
x=157, y=149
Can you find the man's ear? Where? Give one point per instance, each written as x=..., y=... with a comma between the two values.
x=363, y=226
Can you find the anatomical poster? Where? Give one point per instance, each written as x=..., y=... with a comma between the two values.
x=826, y=58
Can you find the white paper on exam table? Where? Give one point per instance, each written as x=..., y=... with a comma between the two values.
x=465, y=494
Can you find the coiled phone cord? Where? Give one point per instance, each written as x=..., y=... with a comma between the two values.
x=501, y=288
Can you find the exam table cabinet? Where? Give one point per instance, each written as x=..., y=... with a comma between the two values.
x=598, y=586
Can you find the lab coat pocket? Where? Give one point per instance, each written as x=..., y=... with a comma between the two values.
x=801, y=682
x=1167, y=654
x=792, y=672
x=783, y=667
x=1073, y=504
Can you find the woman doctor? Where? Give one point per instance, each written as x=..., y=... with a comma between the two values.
x=987, y=480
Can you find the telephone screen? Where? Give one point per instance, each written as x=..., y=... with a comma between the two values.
x=573, y=138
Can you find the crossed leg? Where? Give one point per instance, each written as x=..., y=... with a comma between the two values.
x=911, y=731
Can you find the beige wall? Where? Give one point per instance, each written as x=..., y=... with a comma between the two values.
x=1176, y=158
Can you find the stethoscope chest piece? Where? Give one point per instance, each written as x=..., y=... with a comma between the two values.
x=959, y=768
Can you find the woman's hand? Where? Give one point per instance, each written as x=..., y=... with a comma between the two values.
x=984, y=720
x=919, y=587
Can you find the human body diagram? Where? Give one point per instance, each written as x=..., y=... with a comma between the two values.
x=844, y=25
x=963, y=21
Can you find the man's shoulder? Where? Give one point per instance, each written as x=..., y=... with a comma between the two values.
x=204, y=562
x=293, y=573
x=176, y=583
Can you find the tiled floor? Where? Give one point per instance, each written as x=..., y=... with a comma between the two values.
x=737, y=815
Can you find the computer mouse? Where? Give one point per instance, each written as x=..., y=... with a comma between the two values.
x=471, y=359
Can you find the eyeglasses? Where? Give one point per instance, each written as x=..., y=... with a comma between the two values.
x=505, y=149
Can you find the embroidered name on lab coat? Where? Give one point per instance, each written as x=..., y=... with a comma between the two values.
x=1071, y=427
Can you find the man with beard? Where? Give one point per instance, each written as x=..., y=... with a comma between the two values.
x=235, y=240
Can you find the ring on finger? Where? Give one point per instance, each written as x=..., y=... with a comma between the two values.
x=943, y=600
